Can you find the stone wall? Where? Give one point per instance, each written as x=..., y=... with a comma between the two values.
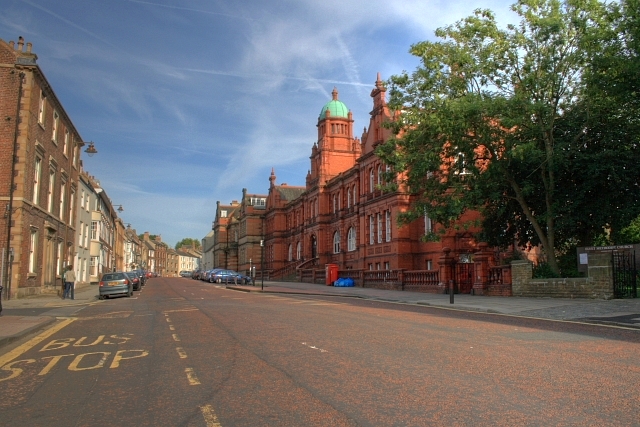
x=598, y=284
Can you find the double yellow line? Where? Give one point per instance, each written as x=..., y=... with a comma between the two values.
x=8, y=357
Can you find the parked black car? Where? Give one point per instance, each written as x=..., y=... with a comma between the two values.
x=136, y=279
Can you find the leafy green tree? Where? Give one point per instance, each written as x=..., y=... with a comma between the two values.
x=631, y=233
x=484, y=121
x=187, y=241
x=605, y=160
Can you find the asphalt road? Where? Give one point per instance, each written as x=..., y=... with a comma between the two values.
x=186, y=353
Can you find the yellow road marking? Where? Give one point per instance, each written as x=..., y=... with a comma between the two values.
x=175, y=337
x=191, y=376
x=180, y=309
x=6, y=358
x=210, y=417
x=172, y=328
x=181, y=353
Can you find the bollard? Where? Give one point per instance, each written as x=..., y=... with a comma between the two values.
x=450, y=291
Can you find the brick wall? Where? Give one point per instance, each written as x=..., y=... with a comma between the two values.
x=598, y=284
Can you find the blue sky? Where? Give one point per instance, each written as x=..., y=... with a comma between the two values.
x=190, y=101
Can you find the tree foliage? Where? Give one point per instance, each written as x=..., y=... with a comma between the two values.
x=501, y=120
x=631, y=233
x=187, y=241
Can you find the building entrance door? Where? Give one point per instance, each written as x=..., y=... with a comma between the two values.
x=464, y=277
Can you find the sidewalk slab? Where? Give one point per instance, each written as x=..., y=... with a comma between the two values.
x=13, y=328
x=543, y=308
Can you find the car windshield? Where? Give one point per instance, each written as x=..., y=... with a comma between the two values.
x=113, y=276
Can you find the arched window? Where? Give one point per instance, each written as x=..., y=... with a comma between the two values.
x=290, y=255
x=351, y=239
x=379, y=175
x=355, y=195
x=335, y=203
x=336, y=242
x=348, y=198
x=299, y=251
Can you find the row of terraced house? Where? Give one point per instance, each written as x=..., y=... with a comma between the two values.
x=54, y=213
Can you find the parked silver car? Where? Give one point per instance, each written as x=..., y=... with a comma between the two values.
x=117, y=283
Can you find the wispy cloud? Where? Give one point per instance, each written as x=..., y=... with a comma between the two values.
x=189, y=9
x=191, y=101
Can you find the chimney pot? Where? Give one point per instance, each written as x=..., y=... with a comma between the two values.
x=20, y=43
x=12, y=44
x=29, y=46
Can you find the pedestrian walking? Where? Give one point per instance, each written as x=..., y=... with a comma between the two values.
x=69, y=283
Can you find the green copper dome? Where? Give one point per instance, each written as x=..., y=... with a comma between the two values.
x=336, y=108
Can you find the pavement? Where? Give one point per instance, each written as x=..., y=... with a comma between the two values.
x=21, y=317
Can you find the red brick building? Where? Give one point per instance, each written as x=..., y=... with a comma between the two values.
x=342, y=217
x=39, y=163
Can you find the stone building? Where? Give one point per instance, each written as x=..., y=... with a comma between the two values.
x=238, y=233
x=155, y=254
x=340, y=216
x=39, y=165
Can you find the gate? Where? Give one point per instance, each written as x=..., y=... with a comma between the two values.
x=625, y=275
x=464, y=277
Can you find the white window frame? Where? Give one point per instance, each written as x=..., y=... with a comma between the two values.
x=59, y=263
x=51, y=189
x=379, y=226
x=371, y=230
x=65, y=144
x=387, y=215
x=33, y=247
x=299, y=251
x=336, y=242
x=428, y=225
x=351, y=239
x=72, y=202
x=94, y=230
x=54, y=127
x=42, y=106
x=290, y=253
x=37, y=177
x=63, y=195
x=371, y=180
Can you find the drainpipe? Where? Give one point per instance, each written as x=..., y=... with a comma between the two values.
x=6, y=279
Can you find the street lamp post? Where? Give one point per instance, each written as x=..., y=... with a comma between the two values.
x=262, y=263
